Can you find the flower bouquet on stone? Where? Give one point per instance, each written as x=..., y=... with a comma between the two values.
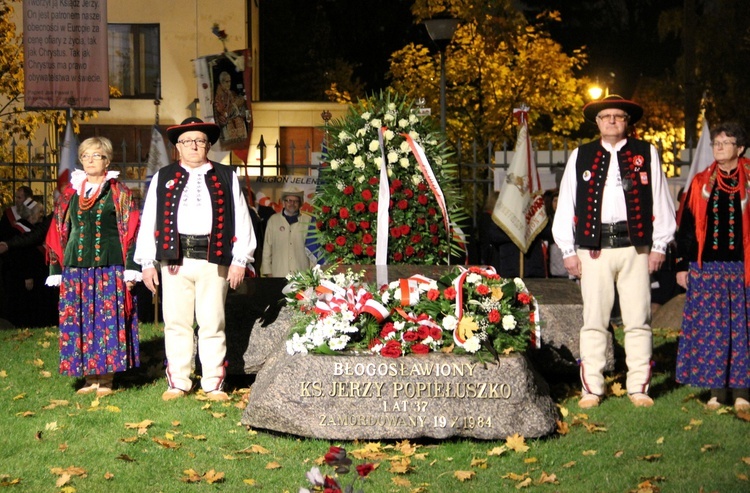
x=422, y=187
x=336, y=458
x=470, y=310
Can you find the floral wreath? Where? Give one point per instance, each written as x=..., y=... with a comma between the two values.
x=419, y=182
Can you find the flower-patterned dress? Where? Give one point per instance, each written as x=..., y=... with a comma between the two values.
x=98, y=326
x=714, y=351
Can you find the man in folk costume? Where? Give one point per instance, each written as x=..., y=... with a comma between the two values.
x=196, y=225
x=614, y=221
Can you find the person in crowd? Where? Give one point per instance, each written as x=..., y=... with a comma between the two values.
x=258, y=228
x=90, y=243
x=197, y=227
x=614, y=220
x=498, y=250
x=34, y=302
x=556, y=266
x=284, y=250
x=10, y=227
x=713, y=265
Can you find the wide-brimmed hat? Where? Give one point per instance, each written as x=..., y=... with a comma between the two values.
x=613, y=101
x=194, y=124
x=293, y=191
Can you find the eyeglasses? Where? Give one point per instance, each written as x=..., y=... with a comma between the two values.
x=190, y=142
x=609, y=117
x=723, y=143
x=96, y=157
x=291, y=201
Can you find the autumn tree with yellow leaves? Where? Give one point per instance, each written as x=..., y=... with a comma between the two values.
x=496, y=61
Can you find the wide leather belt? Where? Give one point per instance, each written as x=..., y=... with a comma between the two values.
x=615, y=235
x=194, y=246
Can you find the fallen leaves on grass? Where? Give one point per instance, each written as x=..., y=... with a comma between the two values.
x=254, y=449
x=464, y=475
x=497, y=450
x=53, y=403
x=563, y=428
x=166, y=443
x=709, y=447
x=210, y=477
x=617, y=390
x=400, y=466
x=743, y=415
x=547, y=478
x=6, y=480
x=125, y=458
x=399, y=481
x=479, y=463
x=273, y=465
x=693, y=423
x=517, y=443
x=588, y=452
x=650, y=457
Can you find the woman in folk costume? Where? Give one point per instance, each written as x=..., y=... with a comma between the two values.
x=91, y=242
x=713, y=264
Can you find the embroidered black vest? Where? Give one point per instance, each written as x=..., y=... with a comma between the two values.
x=591, y=172
x=172, y=180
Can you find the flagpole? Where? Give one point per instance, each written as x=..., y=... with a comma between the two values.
x=157, y=102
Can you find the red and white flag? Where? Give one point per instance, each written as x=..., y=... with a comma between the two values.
x=157, y=154
x=519, y=210
x=68, y=157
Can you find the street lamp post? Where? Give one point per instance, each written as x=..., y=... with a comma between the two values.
x=441, y=32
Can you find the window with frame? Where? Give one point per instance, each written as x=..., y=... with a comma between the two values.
x=134, y=59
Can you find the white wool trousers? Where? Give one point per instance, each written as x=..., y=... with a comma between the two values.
x=626, y=268
x=196, y=293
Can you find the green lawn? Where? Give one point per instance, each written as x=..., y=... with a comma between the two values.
x=54, y=440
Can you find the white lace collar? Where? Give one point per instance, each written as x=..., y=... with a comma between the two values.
x=77, y=177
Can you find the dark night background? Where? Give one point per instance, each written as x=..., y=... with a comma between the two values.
x=305, y=43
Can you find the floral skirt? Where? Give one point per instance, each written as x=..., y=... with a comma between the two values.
x=714, y=349
x=96, y=335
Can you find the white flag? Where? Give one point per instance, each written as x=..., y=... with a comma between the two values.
x=702, y=159
x=519, y=210
x=68, y=157
x=157, y=154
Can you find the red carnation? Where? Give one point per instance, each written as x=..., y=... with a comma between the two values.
x=436, y=333
x=329, y=247
x=392, y=349
x=396, y=232
x=409, y=251
x=423, y=332
x=351, y=226
x=370, y=251
x=344, y=213
x=493, y=316
x=373, y=180
x=433, y=228
x=373, y=206
x=359, y=207
x=357, y=249
x=326, y=209
x=435, y=240
x=333, y=222
x=421, y=187
x=348, y=190
x=410, y=336
x=422, y=199
x=420, y=348
x=403, y=204
x=364, y=224
x=483, y=289
x=450, y=293
x=421, y=221
x=405, y=229
x=387, y=329
x=416, y=239
x=396, y=184
x=431, y=211
x=367, y=238
x=433, y=294
x=398, y=256
x=524, y=298
x=409, y=193
x=367, y=194
x=341, y=240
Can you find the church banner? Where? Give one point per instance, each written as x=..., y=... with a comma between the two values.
x=224, y=95
x=65, y=54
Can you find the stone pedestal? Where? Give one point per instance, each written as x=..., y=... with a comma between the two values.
x=370, y=397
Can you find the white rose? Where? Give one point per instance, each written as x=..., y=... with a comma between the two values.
x=405, y=147
x=374, y=145
x=376, y=123
x=343, y=136
x=361, y=179
x=416, y=179
x=388, y=117
x=361, y=132
x=403, y=123
x=359, y=163
x=392, y=157
x=334, y=164
x=340, y=186
x=352, y=148
x=450, y=322
x=388, y=135
x=414, y=135
x=366, y=115
x=378, y=162
x=391, y=106
x=404, y=162
x=474, y=278
x=509, y=322
x=520, y=286
x=413, y=118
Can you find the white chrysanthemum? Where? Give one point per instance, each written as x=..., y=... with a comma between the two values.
x=376, y=348
x=338, y=343
x=388, y=135
x=385, y=297
x=474, y=278
x=403, y=123
x=374, y=145
x=388, y=117
x=432, y=284
x=520, y=286
x=404, y=162
x=416, y=179
x=392, y=157
x=351, y=148
x=509, y=322
x=472, y=344
x=399, y=325
x=450, y=323
x=361, y=132
x=376, y=123
x=391, y=335
x=361, y=179
x=394, y=284
x=296, y=344
x=359, y=163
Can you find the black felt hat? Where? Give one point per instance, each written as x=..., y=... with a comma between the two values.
x=613, y=101
x=194, y=124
